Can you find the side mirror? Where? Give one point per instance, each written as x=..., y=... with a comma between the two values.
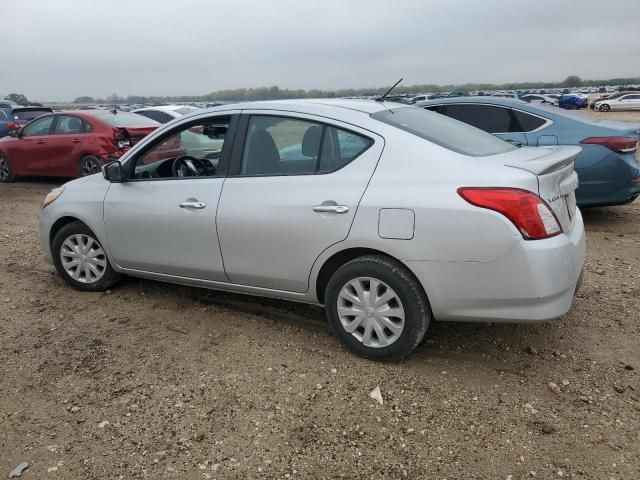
x=112, y=171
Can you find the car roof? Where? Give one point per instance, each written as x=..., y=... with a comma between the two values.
x=487, y=99
x=312, y=105
x=168, y=108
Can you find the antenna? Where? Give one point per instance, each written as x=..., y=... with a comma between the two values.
x=381, y=99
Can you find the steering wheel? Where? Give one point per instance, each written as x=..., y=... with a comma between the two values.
x=187, y=166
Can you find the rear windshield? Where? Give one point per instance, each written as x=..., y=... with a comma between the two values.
x=444, y=131
x=124, y=119
x=29, y=113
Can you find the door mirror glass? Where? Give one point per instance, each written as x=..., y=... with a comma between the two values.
x=113, y=172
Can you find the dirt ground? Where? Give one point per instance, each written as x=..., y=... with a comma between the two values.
x=159, y=381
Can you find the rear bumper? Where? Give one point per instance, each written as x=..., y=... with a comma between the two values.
x=534, y=281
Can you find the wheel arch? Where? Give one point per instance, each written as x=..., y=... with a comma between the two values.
x=62, y=222
x=337, y=259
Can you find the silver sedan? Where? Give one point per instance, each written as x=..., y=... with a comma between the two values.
x=390, y=216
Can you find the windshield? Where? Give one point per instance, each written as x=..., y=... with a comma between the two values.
x=185, y=110
x=124, y=119
x=444, y=131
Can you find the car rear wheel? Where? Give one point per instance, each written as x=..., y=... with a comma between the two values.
x=377, y=308
x=604, y=108
x=6, y=173
x=80, y=259
x=89, y=165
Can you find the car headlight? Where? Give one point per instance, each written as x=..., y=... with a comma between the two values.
x=52, y=195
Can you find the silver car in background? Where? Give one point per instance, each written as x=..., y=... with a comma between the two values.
x=389, y=216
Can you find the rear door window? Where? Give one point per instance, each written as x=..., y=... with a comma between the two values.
x=290, y=146
x=68, y=124
x=489, y=118
x=527, y=122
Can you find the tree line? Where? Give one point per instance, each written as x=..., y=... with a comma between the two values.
x=277, y=93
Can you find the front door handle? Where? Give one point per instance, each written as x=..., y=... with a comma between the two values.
x=76, y=140
x=197, y=205
x=40, y=142
x=331, y=209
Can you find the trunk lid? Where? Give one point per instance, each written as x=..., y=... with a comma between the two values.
x=557, y=179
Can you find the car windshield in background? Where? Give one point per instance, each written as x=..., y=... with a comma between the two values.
x=29, y=114
x=444, y=131
x=123, y=119
x=185, y=110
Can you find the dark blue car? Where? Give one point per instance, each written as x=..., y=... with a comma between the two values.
x=608, y=167
x=572, y=102
x=14, y=117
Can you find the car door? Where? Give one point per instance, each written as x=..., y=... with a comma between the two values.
x=31, y=152
x=66, y=144
x=163, y=218
x=494, y=119
x=293, y=191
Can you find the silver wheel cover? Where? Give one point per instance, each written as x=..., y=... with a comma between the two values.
x=371, y=311
x=83, y=259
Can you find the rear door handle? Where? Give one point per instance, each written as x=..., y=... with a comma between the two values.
x=331, y=209
x=40, y=142
x=198, y=205
x=76, y=140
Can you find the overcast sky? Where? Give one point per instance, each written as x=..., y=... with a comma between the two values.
x=61, y=49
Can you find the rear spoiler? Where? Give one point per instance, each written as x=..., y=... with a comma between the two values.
x=554, y=159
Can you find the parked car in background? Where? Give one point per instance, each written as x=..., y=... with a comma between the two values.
x=15, y=117
x=607, y=167
x=385, y=236
x=70, y=144
x=604, y=96
x=166, y=113
x=572, y=102
x=539, y=98
x=629, y=101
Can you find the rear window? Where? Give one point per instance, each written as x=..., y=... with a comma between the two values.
x=30, y=113
x=124, y=119
x=444, y=131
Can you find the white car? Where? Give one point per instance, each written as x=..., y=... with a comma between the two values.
x=390, y=216
x=166, y=113
x=540, y=98
x=630, y=101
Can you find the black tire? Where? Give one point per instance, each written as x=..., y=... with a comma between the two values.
x=88, y=165
x=407, y=288
x=6, y=172
x=109, y=276
x=604, y=108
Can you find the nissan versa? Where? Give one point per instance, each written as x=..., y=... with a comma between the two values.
x=390, y=216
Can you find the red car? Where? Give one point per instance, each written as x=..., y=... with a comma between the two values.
x=70, y=144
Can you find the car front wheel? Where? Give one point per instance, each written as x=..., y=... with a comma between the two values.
x=6, y=172
x=604, y=108
x=80, y=259
x=377, y=308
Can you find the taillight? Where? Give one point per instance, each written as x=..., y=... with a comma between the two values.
x=13, y=126
x=617, y=144
x=121, y=139
x=527, y=211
